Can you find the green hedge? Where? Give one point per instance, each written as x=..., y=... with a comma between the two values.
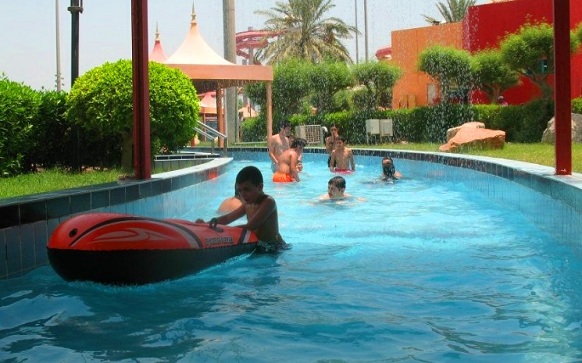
x=19, y=105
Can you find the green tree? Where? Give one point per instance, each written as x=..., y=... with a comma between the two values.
x=101, y=103
x=451, y=67
x=377, y=78
x=19, y=106
x=290, y=87
x=530, y=52
x=304, y=32
x=491, y=74
x=326, y=79
x=453, y=11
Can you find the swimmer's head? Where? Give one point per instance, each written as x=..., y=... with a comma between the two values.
x=336, y=187
x=388, y=169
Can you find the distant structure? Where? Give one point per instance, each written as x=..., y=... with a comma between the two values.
x=157, y=54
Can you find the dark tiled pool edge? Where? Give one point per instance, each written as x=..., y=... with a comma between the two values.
x=27, y=222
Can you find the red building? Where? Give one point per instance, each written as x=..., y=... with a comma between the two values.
x=486, y=25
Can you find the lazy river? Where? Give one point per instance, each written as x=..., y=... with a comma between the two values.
x=426, y=269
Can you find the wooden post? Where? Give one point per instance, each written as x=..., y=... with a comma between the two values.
x=563, y=108
x=141, y=94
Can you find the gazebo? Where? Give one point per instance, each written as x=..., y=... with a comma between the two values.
x=209, y=71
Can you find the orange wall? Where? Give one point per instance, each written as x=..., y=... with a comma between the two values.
x=412, y=89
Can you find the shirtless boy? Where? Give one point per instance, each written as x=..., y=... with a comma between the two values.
x=259, y=208
x=278, y=143
x=289, y=163
x=342, y=157
x=330, y=142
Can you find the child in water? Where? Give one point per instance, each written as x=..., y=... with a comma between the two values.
x=259, y=208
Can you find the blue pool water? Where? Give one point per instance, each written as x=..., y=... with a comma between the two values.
x=417, y=271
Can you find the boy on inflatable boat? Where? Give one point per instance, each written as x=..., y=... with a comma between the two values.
x=259, y=208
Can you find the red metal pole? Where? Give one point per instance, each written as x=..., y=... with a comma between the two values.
x=141, y=94
x=563, y=107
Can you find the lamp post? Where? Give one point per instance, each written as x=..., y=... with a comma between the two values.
x=366, y=29
x=76, y=8
x=58, y=45
x=357, y=36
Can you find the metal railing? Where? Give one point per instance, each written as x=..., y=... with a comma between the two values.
x=211, y=134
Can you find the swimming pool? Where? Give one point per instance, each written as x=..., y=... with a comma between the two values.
x=426, y=269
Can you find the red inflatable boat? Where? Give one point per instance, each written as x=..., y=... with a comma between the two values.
x=127, y=250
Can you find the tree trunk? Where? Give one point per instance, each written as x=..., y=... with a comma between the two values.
x=127, y=153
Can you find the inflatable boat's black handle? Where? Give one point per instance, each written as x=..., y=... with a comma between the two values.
x=213, y=225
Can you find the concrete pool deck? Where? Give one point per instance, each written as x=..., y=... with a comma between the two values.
x=27, y=222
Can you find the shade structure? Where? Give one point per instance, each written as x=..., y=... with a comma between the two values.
x=209, y=71
x=157, y=54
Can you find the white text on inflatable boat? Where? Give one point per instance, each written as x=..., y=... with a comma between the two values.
x=219, y=240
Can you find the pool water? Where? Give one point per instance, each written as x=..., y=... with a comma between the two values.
x=416, y=271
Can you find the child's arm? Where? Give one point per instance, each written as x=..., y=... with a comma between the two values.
x=266, y=208
x=293, y=167
x=229, y=217
x=272, y=147
x=332, y=162
x=351, y=160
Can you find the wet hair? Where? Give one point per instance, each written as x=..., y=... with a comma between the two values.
x=298, y=142
x=251, y=174
x=284, y=124
x=342, y=139
x=338, y=181
x=388, y=168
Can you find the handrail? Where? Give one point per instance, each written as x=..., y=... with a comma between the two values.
x=211, y=134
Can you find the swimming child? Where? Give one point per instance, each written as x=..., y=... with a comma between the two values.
x=336, y=188
x=389, y=172
x=289, y=161
x=259, y=208
x=342, y=158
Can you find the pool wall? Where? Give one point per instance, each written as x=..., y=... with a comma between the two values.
x=553, y=202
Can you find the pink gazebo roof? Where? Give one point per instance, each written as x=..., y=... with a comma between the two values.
x=158, y=54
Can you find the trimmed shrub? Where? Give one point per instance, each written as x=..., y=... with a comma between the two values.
x=19, y=106
x=101, y=104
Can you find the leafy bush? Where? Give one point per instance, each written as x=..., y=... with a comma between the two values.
x=52, y=138
x=19, y=106
x=101, y=103
x=577, y=102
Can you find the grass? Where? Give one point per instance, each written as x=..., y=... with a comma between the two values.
x=52, y=180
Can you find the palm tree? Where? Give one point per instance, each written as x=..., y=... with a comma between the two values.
x=305, y=33
x=453, y=12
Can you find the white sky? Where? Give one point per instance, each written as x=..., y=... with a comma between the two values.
x=28, y=30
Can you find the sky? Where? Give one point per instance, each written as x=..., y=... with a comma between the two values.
x=28, y=53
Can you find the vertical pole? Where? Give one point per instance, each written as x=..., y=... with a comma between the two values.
x=269, y=110
x=366, y=29
x=75, y=8
x=58, y=45
x=230, y=108
x=563, y=108
x=141, y=94
x=357, y=36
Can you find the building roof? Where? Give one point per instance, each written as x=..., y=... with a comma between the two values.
x=157, y=54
